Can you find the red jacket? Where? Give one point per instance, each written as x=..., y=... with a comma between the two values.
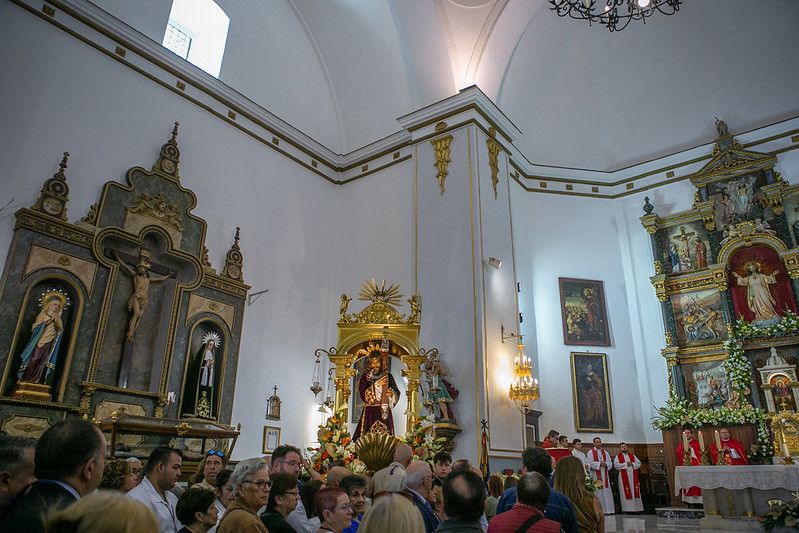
x=510, y=521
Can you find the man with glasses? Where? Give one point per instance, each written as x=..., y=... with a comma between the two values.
x=161, y=473
x=215, y=462
x=287, y=459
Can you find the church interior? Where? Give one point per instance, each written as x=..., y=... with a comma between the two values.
x=462, y=223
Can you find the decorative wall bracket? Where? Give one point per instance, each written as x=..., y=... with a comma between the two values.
x=442, y=154
x=774, y=194
x=493, y=159
x=708, y=212
x=650, y=223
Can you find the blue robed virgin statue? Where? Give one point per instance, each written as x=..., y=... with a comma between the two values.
x=40, y=355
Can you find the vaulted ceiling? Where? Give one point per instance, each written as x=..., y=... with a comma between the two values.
x=342, y=71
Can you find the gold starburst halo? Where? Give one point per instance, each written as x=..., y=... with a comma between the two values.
x=371, y=292
x=54, y=294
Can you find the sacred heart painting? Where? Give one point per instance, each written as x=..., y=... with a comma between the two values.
x=583, y=311
x=591, y=392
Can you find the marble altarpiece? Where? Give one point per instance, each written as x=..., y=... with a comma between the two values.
x=121, y=312
x=732, y=257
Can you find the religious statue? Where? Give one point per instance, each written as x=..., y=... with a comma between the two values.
x=41, y=353
x=700, y=252
x=721, y=129
x=674, y=257
x=440, y=389
x=415, y=302
x=379, y=392
x=758, y=295
x=342, y=310
x=206, y=379
x=142, y=277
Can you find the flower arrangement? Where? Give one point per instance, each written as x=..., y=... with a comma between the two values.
x=592, y=485
x=421, y=437
x=782, y=514
x=335, y=443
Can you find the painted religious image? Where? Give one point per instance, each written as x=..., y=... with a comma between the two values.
x=685, y=248
x=782, y=392
x=201, y=389
x=761, y=291
x=377, y=390
x=46, y=336
x=707, y=384
x=591, y=392
x=699, y=317
x=583, y=311
x=739, y=199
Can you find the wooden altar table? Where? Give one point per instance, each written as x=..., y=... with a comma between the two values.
x=738, y=492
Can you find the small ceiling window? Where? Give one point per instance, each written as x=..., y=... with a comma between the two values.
x=197, y=32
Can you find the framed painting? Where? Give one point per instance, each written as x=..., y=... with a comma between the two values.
x=583, y=311
x=699, y=317
x=706, y=383
x=271, y=439
x=591, y=392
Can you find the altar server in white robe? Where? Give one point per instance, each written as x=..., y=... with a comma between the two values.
x=629, y=489
x=600, y=464
x=577, y=451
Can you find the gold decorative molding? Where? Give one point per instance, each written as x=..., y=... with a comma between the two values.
x=55, y=193
x=791, y=260
x=707, y=211
x=659, y=283
x=650, y=223
x=493, y=158
x=53, y=227
x=40, y=258
x=441, y=146
x=200, y=304
x=226, y=285
x=25, y=426
x=658, y=267
x=747, y=234
x=774, y=194
x=91, y=217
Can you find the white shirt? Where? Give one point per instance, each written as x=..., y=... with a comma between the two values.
x=298, y=519
x=581, y=456
x=164, y=510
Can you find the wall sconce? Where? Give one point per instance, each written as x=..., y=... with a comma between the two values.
x=511, y=335
x=493, y=262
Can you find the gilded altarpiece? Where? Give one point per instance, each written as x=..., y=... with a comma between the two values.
x=120, y=311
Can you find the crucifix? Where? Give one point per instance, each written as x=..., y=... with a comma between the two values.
x=143, y=274
x=685, y=237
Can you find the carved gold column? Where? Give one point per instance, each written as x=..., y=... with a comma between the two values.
x=413, y=373
x=342, y=378
x=441, y=146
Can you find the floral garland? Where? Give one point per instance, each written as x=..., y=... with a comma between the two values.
x=421, y=437
x=335, y=443
x=782, y=514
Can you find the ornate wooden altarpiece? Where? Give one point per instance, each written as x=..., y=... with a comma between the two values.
x=744, y=221
x=380, y=323
x=120, y=313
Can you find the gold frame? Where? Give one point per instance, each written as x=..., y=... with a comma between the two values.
x=267, y=429
x=578, y=427
x=73, y=336
x=225, y=340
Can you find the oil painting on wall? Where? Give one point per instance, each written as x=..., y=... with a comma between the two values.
x=707, y=384
x=583, y=311
x=591, y=392
x=699, y=317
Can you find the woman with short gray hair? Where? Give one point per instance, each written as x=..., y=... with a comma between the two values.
x=250, y=484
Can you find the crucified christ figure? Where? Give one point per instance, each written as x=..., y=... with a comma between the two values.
x=142, y=277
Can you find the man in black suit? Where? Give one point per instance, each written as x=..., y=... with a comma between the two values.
x=16, y=469
x=70, y=457
x=418, y=482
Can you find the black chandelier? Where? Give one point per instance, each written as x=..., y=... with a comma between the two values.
x=614, y=14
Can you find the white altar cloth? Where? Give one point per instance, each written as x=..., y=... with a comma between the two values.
x=737, y=491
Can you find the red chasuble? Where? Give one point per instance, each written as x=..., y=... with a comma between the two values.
x=736, y=455
x=694, y=444
x=558, y=453
x=635, y=490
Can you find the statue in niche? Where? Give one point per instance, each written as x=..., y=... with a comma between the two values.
x=202, y=380
x=39, y=357
x=142, y=277
x=758, y=295
x=379, y=392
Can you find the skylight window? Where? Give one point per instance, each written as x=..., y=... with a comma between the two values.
x=197, y=32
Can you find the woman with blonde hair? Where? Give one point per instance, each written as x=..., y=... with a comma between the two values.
x=570, y=480
x=392, y=513
x=103, y=512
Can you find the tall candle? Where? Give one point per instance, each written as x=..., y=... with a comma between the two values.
x=701, y=442
x=785, y=450
x=685, y=440
x=718, y=441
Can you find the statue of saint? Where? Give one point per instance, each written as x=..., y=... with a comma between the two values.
x=41, y=353
x=380, y=393
x=142, y=277
x=758, y=295
x=440, y=389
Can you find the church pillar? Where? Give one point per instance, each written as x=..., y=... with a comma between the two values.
x=462, y=220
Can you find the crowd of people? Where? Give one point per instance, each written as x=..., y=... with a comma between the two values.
x=64, y=483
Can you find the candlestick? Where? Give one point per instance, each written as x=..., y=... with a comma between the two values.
x=718, y=441
x=685, y=439
x=701, y=442
x=785, y=450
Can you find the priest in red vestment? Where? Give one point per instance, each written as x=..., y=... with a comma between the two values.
x=627, y=465
x=733, y=451
x=691, y=494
